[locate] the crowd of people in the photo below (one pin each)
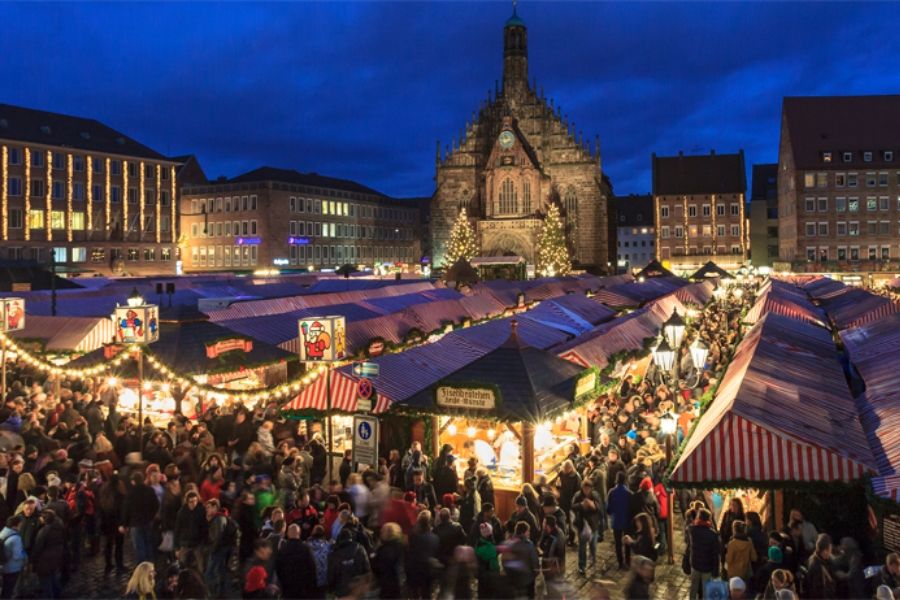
(241, 503)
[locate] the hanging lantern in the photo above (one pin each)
(12, 313)
(699, 352)
(322, 339)
(664, 356)
(136, 322)
(674, 329)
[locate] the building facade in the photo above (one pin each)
(764, 215)
(839, 183)
(699, 209)
(269, 218)
(517, 154)
(85, 196)
(635, 231)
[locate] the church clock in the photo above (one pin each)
(507, 139)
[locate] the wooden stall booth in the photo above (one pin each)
(515, 409)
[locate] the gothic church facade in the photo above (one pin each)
(518, 154)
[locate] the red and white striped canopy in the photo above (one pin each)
(344, 397)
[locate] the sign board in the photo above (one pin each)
(12, 314)
(466, 398)
(376, 348)
(136, 324)
(322, 339)
(365, 440)
(891, 532)
(364, 405)
(367, 369)
(222, 346)
(586, 384)
(364, 388)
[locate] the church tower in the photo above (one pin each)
(517, 154)
(515, 54)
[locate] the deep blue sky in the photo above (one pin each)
(363, 90)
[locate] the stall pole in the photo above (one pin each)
(779, 510)
(527, 452)
(670, 522)
(330, 462)
(435, 436)
(140, 365)
(3, 360)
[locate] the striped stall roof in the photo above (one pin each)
(873, 349)
(67, 334)
(783, 412)
(785, 300)
(482, 306)
(697, 293)
(853, 306)
(344, 397)
(587, 308)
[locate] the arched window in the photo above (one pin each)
(571, 204)
(508, 202)
(526, 197)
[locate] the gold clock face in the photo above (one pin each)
(507, 139)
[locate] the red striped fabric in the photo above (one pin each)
(343, 396)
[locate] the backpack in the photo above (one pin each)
(230, 533)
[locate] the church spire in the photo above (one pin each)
(515, 53)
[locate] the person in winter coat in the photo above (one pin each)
(820, 579)
(552, 547)
(425, 495)
(256, 573)
(550, 508)
(450, 534)
(388, 561)
(704, 552)
(49, 555)
(111, 504)
(420, 557)
(644, 501)
(14, 557)
(520, 561)
(740, 553)
(485, 485)
(642, 574)
(522, 515)
(569, 485)
(348, 564)
(589, 522)
(734, 513)
(618, 507)
(321, 550)
(488, 563)
(191, 531)
(295, 566)
(222, 534)
(643, 542)
(662, 502)
(446, 481)
(470, 505)
(141, 507)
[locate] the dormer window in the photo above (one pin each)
(826, 157)
(888, 156)
(848, 157)
(867, 157)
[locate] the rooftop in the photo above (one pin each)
(699, 174)
(54, 129)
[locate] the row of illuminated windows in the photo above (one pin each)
(848, 155)
(341, 254)
(80, 254)
(223, 228)
(705, 210)
(316, 206)
(348, 230)
(825, 253)
(58, 161)
(58, 191)
(850, 180)
(227, 204)
(705, 231)
(847, 228)
(627, 244)
(224, 256)
(37, 219)
(704, 250)
(848, 204)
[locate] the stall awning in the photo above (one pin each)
(783, 413)
(344, 396)
(786, 300)
(67, 334)
(710, 269)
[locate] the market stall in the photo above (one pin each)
(515, 408)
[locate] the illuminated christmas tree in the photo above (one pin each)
(553, 253)
(462, 240)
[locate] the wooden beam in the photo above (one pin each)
(436, 436)
(779, 510)
(527, 452)
(514, 432)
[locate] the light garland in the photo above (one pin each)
(686, 226)
(714, 233)
(743, 234)
(106, 190)
(125, 199)
(4, 192)
(173, 225)
(89, 193)
(27, 190)
(141, 176)
(70, 166)
(49, 199)
(158, 203)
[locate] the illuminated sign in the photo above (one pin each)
(136, 324)
(298, 241)
(247, 241)
(12, 314)
(323, 338)
(279, 261)
(465, 398)
(223, 346)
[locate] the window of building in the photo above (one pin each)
(149, 254)
(37, 188)
(840, 179)
(707, 231)
(735, 209)
(15, 218)
(149, 172)
(822, 204)
(59, 160)
(132, 195)
(14, 186)
(871, 180)
(134, 254)
(882, 179)
(852, 180)
(77, 220)
(867, 157)
(841, 228)
(823, 229)
(884, 227)
(821, 180)
(873, 252)
(735, 230)
(853, 204)
(854, 252)
(842, 253)
(885, 253)
(720, 230)
(77, 191)
(811, 253)
(14, 157)
(840, 204)
(810, 204)
(164, 223)
(706, 210)
(720, 210)
(571, 205)
(809, 180)
(664, 232)
(872, 227)
(663, 212)
(883, 203)
(853, 228)
(692, 210)
(37, 159)
(871, 203)
(888, 156)
(35, 219)
(679, 231)
(253, 227)
(847, 157)
(810, 229)
(826, 157)
(78, 254)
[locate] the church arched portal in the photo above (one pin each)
(510, 244)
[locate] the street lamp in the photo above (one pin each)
(667, 425)
(719, 293)
(664, 356)
(674, 329)
(699, 352)
(137, 323)
(738, 292)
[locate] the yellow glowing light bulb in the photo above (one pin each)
(470, 431)
(112, 381)
(451, 429)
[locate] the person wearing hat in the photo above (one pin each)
(486, 515)
(521, 514)
(737, 589)
(764, 573)
(256, 577)
(589, 522)
(552, 546)
(444, 476)
(486, 558)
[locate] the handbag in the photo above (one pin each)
(168, 542)
(686, 563)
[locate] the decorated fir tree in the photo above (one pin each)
(553, 253)
(462, 240)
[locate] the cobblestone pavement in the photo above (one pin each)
(604, 580)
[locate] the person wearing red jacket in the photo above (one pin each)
(305, 515)
(662, 498)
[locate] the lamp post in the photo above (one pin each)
(667, 425)
(137, 323)
(673, 329)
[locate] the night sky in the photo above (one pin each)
(363, 90)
